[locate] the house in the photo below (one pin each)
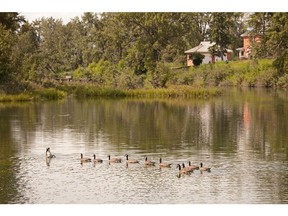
(203, 48)
(245, 51)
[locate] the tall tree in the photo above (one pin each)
(202, 21)
(278, 41)
(151, 37)
(11, 20)
(236, 30)
(6, 43)
(24, 52)
(9, 24)
(220, 26)
(92, 38)
(260, 22)
(55, 47)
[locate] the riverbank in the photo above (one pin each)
(241, 73)
(246, 73)
(36, 95)
(169, 92)
(89, 91)
(193, 82)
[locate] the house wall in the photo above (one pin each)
(229, 56)
(189, 61)
(208, 59)
(219, 58)
(246, 44)
(241, 54)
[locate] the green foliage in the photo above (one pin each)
(90, 90)
(49, 94)
(160, 76)
(11, 20)
(6, 43)
(171, 92)
(42, 94)
(273, 28)
(15, 98)
(127, 79)
(197, 58)
(220, 27)
(260, 22)
(238, 73)
(283, 82)
(135, 50)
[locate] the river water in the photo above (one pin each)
(242, 136)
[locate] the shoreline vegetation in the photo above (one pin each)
(195, 82)
(90, 91)
(131, 54)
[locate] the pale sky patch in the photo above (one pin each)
(65, 16)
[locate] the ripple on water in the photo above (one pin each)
(67, 181)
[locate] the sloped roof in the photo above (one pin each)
(203, 47)
(249, 33)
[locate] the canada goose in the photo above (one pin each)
(97, 160)
(164, 164)
(188, 169)
(130, 160)
(48, 160)
(208, 169)
(49, 154)
(149, 162)
(182, 170)
(83, 159)
(192, 166)
(114, 160)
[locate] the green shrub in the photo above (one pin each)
(283, 82)
(13, 98)
(170, 92)
(267, 77)
(197, 58)
(50, 94)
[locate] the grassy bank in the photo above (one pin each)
(40, 94)
(200, 82)
(249, 73)
(13, 98)
(170, 92)
(90, 90)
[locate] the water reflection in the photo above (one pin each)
(242, 136)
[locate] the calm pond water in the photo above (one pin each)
(242, 136)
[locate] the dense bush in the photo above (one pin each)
(197, 58)
(50, 94)
(283, 82)
(236, 73)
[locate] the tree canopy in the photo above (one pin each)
(107, 46)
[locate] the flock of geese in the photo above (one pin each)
(182, 169)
